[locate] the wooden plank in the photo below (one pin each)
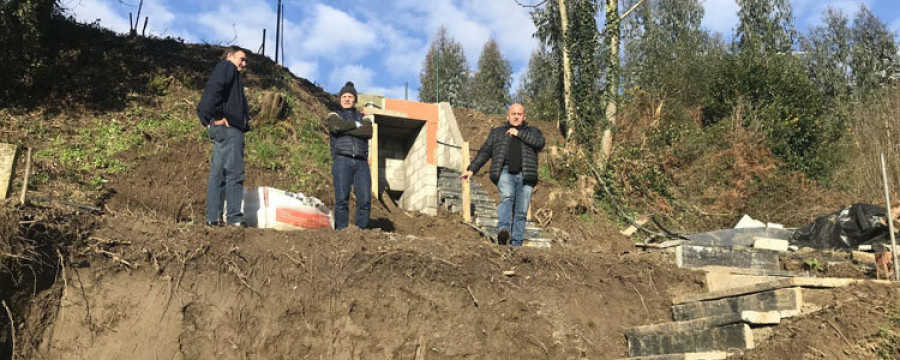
(786, 302)
(7, 168)
(713, 355)
(768, 272)
(28, 172)
(466, 185)
(699, 256)
(742, 317)
(721, 338)
(641, 220)
(863, 257)
(373, 159)
(663, 245)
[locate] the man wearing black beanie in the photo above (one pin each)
(349, 133)
(513, 150)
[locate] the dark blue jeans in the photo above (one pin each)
(350, 171)
(226, 174)
(515, 197)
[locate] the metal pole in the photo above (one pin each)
(887, 197)
(406, 91)
(437, 86)
(262, 48)
(277, 30)
(282, 34)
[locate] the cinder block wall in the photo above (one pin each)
(421, 178)
(391, 170)
(448, 133)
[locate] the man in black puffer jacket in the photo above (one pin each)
(513, 150)
(223, 111)
(349, 134)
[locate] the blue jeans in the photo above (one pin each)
(226, 174)
(514, 198)
(348, 171)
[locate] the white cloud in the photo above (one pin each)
(509, 24)
(395, 92)
(335, 33)
(809, 13)
(361, 77)
(109, 14)
(720, 16)
(304, 69)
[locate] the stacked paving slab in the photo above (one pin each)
(747, 296)
(484, 209)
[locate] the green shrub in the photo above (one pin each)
(772, 94)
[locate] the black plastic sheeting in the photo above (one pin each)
(846, 229)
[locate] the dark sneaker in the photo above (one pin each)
(214, 224)
(238, 224)
(503, 237)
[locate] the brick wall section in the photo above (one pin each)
(7, 168)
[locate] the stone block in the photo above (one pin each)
(743, 317)
(698, 256)
(764, 243)
(786, 302)
(721, 338)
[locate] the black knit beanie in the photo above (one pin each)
(348, 88)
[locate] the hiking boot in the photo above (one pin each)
(214, 224)
(502, 237)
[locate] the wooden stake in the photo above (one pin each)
(373, 153)
(12, 327)
(887, 197)
(27, 172)
(466, 186)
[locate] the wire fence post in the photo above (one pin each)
(887, 198)
(466, 186)
(373, 153)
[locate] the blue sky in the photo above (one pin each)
(380, 44)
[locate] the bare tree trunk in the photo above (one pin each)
(571, 143)
(612, 84)
(613, 20)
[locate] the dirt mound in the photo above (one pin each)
(859, 322)
(197, 293)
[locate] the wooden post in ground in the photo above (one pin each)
(27, 172)
(890, 219)
(373, 158)
(466, 186)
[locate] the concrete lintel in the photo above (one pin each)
(808, 282)
(747, 317)
(714, 355)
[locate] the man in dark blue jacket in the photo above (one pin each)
(349, 134)
(513, 150)
(223, 111)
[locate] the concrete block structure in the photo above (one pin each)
(413, 140)
(7, 168)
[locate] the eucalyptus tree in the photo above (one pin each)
(873, 58)
(491, 83)
(445, 72)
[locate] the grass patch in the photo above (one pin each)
(96, 151)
